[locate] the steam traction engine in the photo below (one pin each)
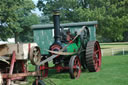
(70, 51)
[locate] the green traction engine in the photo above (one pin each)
(70, 51)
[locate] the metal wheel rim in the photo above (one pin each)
(97, 57)
(35, 55)
(75, 67)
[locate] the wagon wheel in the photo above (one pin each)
(44, 68)
(74, 67)
(35, 55)
(84, 37)
(93, 56)
(38, 82)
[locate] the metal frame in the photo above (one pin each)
(17, 76)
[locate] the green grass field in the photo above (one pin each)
(114, 71)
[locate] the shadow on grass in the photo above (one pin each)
(58, 75)
(64, 74)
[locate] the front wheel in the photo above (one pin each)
(74, 67)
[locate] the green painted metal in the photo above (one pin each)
(44, 39)
(44, 34)
(72, 47)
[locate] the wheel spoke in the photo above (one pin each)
(74, 67)
(75, 73)
(97, 51)
(75, 62)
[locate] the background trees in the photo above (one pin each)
(112, 15)
(16, 18)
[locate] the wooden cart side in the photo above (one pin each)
(21, 50)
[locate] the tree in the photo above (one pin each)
(27, 34)
(16, 17)
(66, 8)
(112, 15)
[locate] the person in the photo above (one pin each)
(69, 35)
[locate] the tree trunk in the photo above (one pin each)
(16, 37)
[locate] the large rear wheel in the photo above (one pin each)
(93, 56)
(74, 67)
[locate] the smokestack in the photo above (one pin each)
(56, 20)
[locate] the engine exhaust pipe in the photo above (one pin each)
(56, 20)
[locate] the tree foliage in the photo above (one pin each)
(16, 18)
(112, 15)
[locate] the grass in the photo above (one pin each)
(114, 71)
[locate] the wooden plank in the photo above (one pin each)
(7, 49)
(21, 50)
(3, 49)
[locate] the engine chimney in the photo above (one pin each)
(56, 20)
